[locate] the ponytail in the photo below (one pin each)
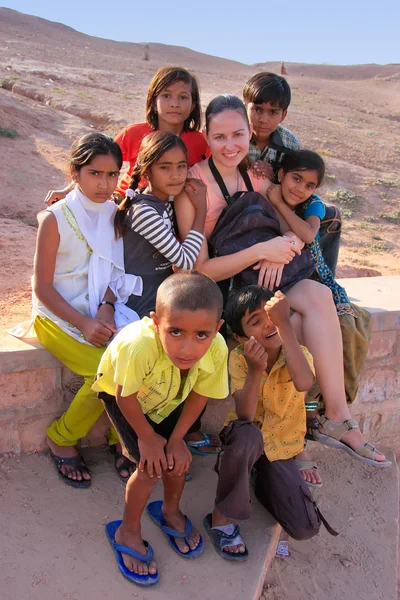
(119, 220)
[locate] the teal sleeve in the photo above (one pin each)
(315, 209)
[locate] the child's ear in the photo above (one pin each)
(281, 174)
(283, 116)
(240, 338)
(220, 323)
(74, 173)
(155, 319)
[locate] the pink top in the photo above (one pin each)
(215, 204)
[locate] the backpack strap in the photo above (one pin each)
(221, 184)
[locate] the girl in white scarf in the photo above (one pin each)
(80, 290)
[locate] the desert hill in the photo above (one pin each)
(57, 83)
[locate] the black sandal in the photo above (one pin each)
(126, 464)
(78, 464)
(220, 540)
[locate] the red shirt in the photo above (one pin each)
(130, 138)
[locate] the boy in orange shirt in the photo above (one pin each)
(270, 374)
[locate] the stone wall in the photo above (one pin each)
(36, 388)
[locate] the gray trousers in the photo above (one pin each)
(279, 485)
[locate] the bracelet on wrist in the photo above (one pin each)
(106, 302)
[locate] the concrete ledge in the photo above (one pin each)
(36, 388)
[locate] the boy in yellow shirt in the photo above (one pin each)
(154, 380)
(270, 374)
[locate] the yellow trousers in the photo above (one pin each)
(82, 359)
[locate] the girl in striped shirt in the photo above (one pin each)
(145, 217)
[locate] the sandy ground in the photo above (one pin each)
(53, 544)
(361, 563)
(57, 84)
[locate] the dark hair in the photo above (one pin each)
(161, 80)
(248, 298)
(267, 87)
(303, 160)
(86, 148)
(152, 148)
(225, 102)
(189, 290)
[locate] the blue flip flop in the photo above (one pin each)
(144, 580)
(195, 445)
(155, 513)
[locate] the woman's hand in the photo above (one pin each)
(279, 250)
(270, 274)
(96, 331)
(298, 242)
(274, 194)
(262, 170)
(197, 193)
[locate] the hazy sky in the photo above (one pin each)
(334, 31)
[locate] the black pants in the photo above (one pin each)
(279, 485)
(128, 436)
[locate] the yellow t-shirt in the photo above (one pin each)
(136, 360)
(280, 413)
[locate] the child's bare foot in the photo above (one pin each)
(177, 521)
(310, 475)
(72, 472)
(135, 542)
(213, 442)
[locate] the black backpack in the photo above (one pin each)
(247, 220)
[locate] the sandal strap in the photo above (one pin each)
(338, 430)
(76, 462)
(225, 539)
(305, 465)
(367, 450)
(200, 443)
(179, 534)
(146, 558)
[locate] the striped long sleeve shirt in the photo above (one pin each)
(159, 232)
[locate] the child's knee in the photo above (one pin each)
(245, 438)
(143, 477)
(302, 531)
(304, 523)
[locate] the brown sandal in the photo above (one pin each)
(333, 435)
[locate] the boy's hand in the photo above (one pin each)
(255, 355)
(152, 455)
(196, 192)
(262, 170)
(278, 309)
(106, 314)
(274, 194)
(179, 457)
